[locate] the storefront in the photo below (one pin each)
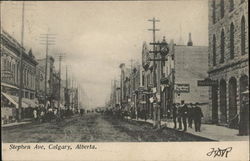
(9, 106)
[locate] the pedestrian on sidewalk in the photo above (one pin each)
(184, 111)
(179, 116)
(174, 114)
(197, 117)
(190, 115)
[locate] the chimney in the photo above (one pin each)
(190, 43)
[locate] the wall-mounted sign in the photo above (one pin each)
(207, 82)
(182, 88)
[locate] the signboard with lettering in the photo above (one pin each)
(207, 82)
(182, 88)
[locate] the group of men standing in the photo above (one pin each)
(186, 114)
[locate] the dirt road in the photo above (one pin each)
(93, 128)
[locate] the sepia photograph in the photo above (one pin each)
(174, 71)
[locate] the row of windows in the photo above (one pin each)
(13, 68)
(222, 8)
(222, 43)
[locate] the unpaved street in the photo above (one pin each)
(92, 128)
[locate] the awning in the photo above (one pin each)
(29, 102)
(10, 99)
(245, 92)
(8, 85)
(25, 102)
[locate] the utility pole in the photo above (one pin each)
(21, 67)
(72, 92)
(66, 93)
(156, 108)
(46, 39)
(60, 57)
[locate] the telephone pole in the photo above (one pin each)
(21, 67)
(155, 103)
(60, 57)
(46, 39)
(67, 90)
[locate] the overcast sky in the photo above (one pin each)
(97, 36)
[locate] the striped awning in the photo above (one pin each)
(8, 85)
(14, 100)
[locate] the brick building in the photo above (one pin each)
(10, 77)
(228, 59)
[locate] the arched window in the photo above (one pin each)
(214, 12)
(232, 41)
(243, 36)
(222, 9)
(231, 5)
(214, 50)
(222, 46)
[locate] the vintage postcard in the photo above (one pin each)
(125, 80)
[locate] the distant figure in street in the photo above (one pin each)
(184, 111)
(55, 111)
(179, 116)
(190, 115)
(35, 114)
(42, 116)
(174, 114)
(197, 117)
(81, 112)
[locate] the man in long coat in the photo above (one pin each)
(197, 117)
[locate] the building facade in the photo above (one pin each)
(228, 59)
(52, 82)
(183, 69)
(10, 77)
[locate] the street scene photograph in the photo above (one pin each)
(128, 71)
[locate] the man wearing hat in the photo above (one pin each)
(190, 115)
(184, 110)
(197, 117)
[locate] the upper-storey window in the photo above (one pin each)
(213, 12)
(243, 36)
(231, 5)
(222, 8)
(232, 41)
(214, 50)
(222, 46)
